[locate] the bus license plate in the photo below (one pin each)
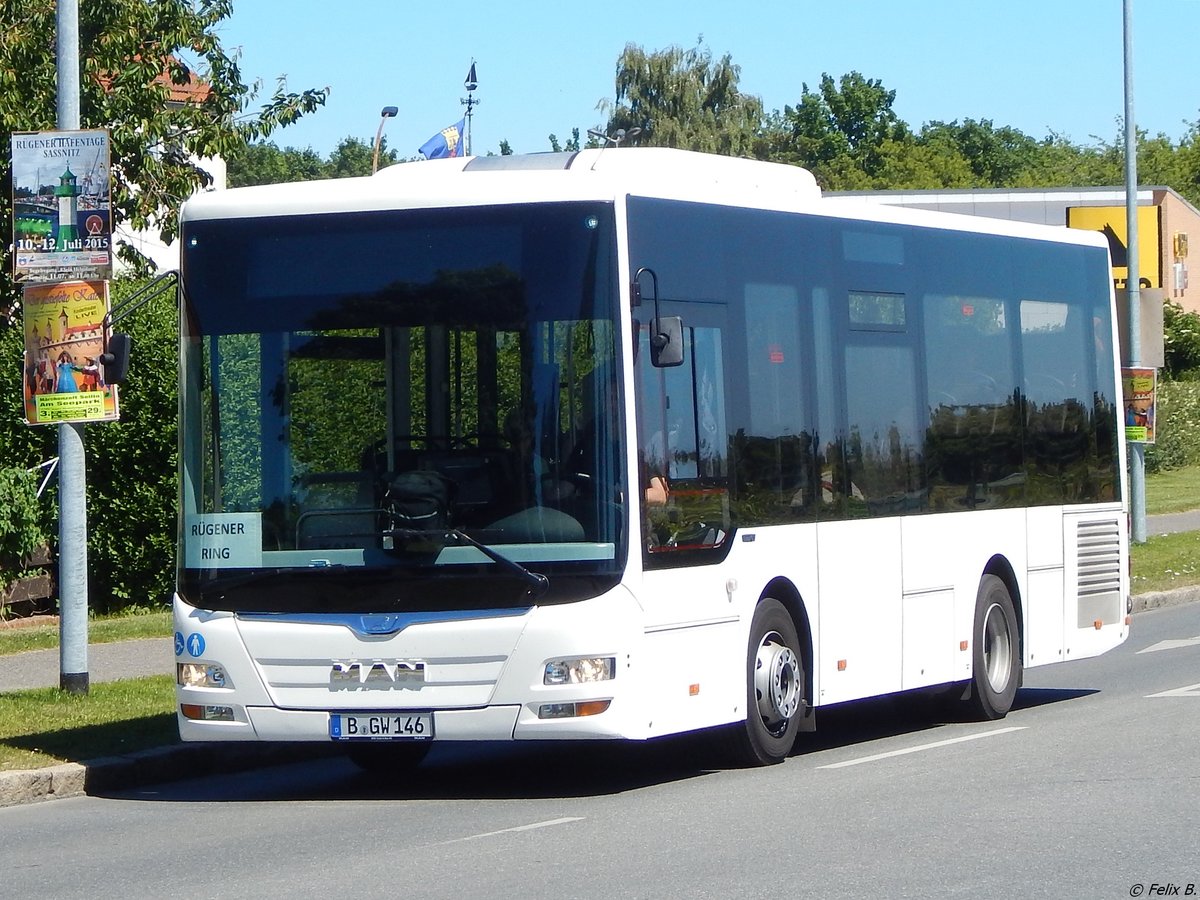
(381, 726)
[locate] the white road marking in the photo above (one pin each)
(921, 747)
(1192, 690)
(1172, 644)
(547, 824)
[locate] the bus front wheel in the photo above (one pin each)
(774, 688)
(996, 657)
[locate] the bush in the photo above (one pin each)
(24, 537)
(1177, 441)
(131, 495)
(1181, 340)
(22, 528)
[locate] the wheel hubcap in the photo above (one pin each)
(777, 681)
(997, 648)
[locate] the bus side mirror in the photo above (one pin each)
(666, 342)
(115, 358)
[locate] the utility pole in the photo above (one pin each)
(1137, 450)
(72, 466)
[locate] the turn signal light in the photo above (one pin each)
(573, 710)
(200, 713)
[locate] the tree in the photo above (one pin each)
(839, 129)
(265, 163)
(353, 157)
(685, 99)
(998, 157)
(131, 53)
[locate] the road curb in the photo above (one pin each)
(1159, 599)
(153, 766)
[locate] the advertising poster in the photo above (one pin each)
(62, 205)
(64, 327)
(1137, 387)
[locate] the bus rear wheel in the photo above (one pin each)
(774, 688)
(996, 657)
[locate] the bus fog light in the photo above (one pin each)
(583, 670)
(573, 710)
(201, 675)
(206, 713)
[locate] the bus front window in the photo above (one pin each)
(404, 393)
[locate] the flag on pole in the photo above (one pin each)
(446, 143)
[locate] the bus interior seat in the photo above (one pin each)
(337, 510)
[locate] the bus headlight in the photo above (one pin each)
(201, 675)
(583, 670)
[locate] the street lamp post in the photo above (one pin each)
(72, 467)
(388, 112)
(1137, 450)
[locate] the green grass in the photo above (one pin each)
(47, 726)
(100, 631)
(1165, 562)
(1177, 490)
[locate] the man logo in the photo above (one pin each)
(378, 675)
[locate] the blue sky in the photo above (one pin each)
(1037, 65)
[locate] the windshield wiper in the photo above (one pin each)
(537, 583)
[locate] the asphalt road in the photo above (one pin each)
(1089, 788)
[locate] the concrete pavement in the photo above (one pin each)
(106, 662)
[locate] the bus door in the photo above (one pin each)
(683, 492)
(876, 478)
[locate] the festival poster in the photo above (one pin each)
(1138, 387)
(62, 207)
(65, 336)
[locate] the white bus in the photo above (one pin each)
(630, 443)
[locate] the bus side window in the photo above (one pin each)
(773, 447)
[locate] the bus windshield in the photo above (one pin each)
(400, 410)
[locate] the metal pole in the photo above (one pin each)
(72, 470)
(386, 113)
(1137, 450)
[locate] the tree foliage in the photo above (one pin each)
(846, 131)
(158, 147)
(132, 53)
(685, 99)
(842, 125)
(264, 162)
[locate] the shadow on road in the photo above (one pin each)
(512, 771)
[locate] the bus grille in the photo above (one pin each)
(1099, 567)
